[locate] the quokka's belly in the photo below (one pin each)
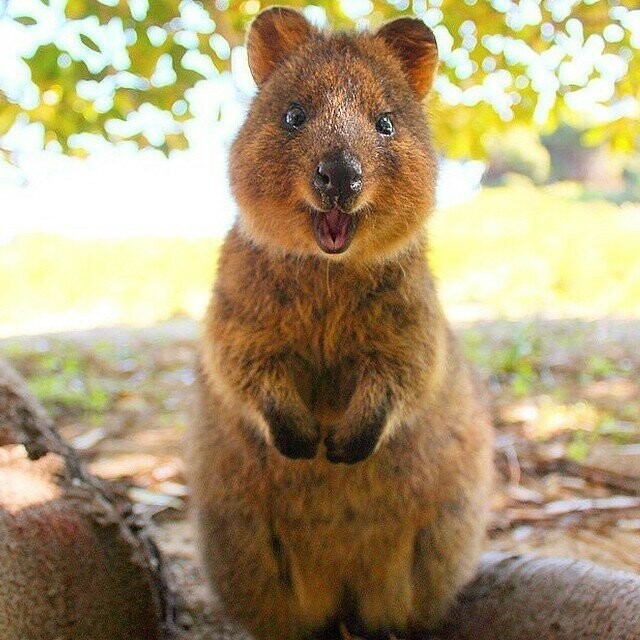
(348, 554)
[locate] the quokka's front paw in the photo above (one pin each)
(353, 443)
(294, 437)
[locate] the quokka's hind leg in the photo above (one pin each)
(248, 568)
(445, 557)
(250, 574)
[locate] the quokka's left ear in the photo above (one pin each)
(414, 44)
(274, 35)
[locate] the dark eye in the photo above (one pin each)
(384, 125)
(295, 117)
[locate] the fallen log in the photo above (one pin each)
(537, 598)
(75, 563)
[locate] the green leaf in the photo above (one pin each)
(44, 65)
(26, 20)
(8, 113)
(89, 42)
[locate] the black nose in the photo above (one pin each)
(338, 178)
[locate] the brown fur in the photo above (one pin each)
(335, 359)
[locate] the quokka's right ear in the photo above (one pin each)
(414, 44)
(274, 35)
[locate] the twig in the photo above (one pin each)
(559, 508)
(600, 476)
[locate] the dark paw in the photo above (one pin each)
(287, 438)
(360, 446)
(293, 446)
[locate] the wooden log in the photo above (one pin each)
(75, 564)
(537, 598)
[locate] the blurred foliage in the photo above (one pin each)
(108, 66)
(631, 175)
(64, 389)
(570, 160)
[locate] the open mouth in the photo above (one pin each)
(333, 229)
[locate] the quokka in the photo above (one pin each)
(341, 455)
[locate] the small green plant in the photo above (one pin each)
(476, 348)
(579, 446)
(65, 380)
(518, 362)
(599, 367)
(66, 393)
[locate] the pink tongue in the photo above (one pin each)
(336, 224)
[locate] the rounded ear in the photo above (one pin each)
(273, 36)
(414, 44)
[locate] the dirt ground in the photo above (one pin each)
(565, 396)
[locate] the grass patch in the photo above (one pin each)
(63, 378)
(517, 250)
(512, 251)
(49, 282)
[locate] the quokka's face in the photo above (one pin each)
(334, 158)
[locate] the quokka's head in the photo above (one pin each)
(334, 158)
